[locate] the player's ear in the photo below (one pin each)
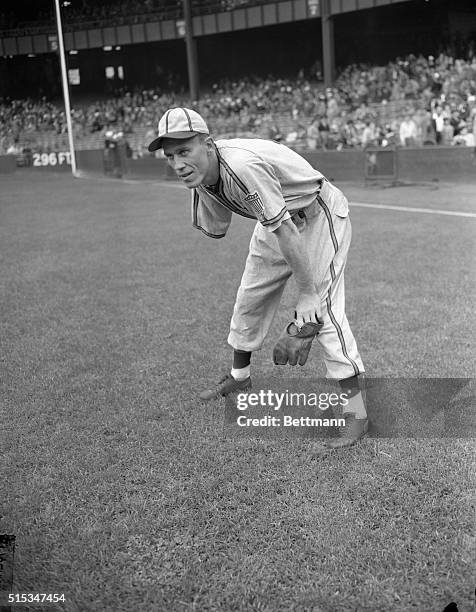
(209, 144)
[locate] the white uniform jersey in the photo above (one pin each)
(267, 181)
(259, 179)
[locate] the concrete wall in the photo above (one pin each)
(450, 164)
(338, 165)
(147, 167)
(418, 164)
(437, 163)
(7, 164)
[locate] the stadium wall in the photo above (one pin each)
(445, 164)
(7, 164)
(448, 164)
(413, 164)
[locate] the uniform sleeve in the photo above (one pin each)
(261, 194)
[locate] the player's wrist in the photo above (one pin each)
(306, 292)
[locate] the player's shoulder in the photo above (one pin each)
(243, 149)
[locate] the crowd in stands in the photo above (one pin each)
(115, 12)
(86, 11)
(412, 101)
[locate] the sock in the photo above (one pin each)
(241, 373)
(353, 388)
(356, 406)
(241, 359)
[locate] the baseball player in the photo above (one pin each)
(303, 229)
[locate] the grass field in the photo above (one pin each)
(123, 491)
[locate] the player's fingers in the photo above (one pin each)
(307, 316)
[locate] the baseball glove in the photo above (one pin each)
(295, 343)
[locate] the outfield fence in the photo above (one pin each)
(432, 163)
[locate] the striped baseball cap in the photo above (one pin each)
(178, 123)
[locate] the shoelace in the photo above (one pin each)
(224, 379)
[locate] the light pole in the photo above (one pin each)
(64, 79)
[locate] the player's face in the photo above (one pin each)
(192, 160)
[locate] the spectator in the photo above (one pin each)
(474, 125)
(428, 129)
(313, 135)
(438, 120)
(419, 117)
(464, 138)
(447, 132)
(362, 108)
(332, 106)
(349, 134)
(387, 136)
(13, 149)
(408, 132)
(323, 128)
(369, 134)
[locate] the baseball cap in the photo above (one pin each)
(178, 123)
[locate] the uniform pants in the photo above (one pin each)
(326, 235)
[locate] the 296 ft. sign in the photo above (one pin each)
(52, 159)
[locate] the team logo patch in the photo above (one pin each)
(254, 202)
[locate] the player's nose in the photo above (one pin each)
(177, 164)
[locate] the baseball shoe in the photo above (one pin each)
(353, 431)
(226, 386)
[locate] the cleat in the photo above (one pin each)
(226, 386)
(353, 431)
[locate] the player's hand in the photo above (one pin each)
(308, 308)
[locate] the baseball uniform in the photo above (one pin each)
(268, 182)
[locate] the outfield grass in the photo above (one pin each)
(124, 492)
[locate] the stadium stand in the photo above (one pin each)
(411, 101)
(91, 14)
